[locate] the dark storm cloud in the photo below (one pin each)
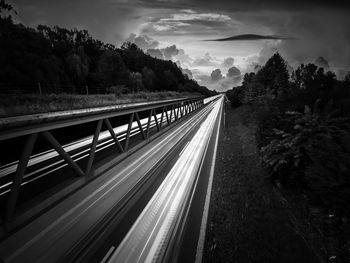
(233, 72)
(105, 21)
(322, 62)
(216, 75)
(251, 37)
(247, 5)
(321, 33)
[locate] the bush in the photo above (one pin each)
(117, 90)
(311, 149)
(235, 96)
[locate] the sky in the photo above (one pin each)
(215, 42)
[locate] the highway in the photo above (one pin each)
(135, 212)
(47, 162)
(77, 150)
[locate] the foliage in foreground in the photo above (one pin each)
(312, 149)
(304, 139)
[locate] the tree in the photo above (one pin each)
(274, 76)
(347, 78)
(6, 8)
(170, 81)
(313, 78)
(136, 81)
(148, 78)
(112, 70)
(78, 66)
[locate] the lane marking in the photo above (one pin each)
(149, 236)
(108, 255)
(201, 239)
(184, 148)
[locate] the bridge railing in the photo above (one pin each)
(31, 126)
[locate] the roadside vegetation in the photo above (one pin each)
(303, 137)
(15, 105)
(54, 60)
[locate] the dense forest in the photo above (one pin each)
(304, 140)
(63, 60)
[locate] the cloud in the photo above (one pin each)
(228, 62)
(251, 37)
(194, 16)
(143, 42)
(244, 6)
(184, 58)
(170, 52)
(322, 62)
(233, 72)
(187, 72)
(156, 53)
(150, 45)
(216, 75)
(185, 22)
(320, 33)
(219, 84)
(258, 5)
(206, 61)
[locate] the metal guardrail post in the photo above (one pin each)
(139, 124)
(149, 123)
(128, 132)
(161, 118)
(171, 114)
(21, 168)
(93, 147)
(155, 119)
(175, 114)
(167, 117)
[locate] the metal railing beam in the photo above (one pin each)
(127, 138)
(139, 124)
(55, 144)
(93, 147)
(115, 138)
(21, 168)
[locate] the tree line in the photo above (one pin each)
(304, 140)
(57, 57)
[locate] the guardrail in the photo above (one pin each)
(42, 124)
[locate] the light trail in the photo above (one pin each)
(151, 234)
(55, 233)
(105, 141)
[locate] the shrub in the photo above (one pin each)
(235, 96)
(311, 149)
(118, 90)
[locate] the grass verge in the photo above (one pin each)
(15, 105)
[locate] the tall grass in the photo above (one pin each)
(15, 105)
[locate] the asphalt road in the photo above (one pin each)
(168, 227)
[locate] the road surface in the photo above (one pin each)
(137, 211)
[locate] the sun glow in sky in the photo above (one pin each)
(176, 30)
